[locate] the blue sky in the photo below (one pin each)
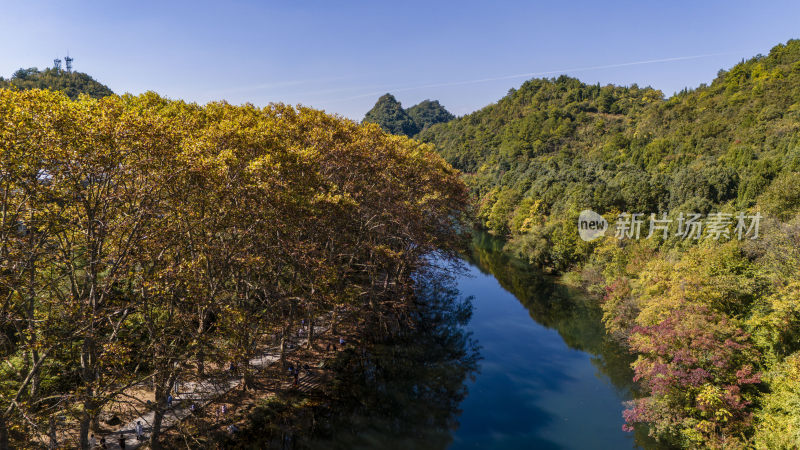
(340, 56)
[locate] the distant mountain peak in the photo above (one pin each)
(429, 112)
(390, 115)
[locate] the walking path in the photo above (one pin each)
(200, 394)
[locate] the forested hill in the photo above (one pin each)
(714, 321)
(390, 115)
(561, 145)
(70, 83)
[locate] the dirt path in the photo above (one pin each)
(200, 394)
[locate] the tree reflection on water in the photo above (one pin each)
(404, 391)
(576, 317)
(398, 392)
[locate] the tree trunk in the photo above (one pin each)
(84, 429)
(155, 434)
(287, 333)
(87, 368)
(95, 425)
(201, 367)
(246, 382)
(201, 328)
(52, 434)
(283, 345)
(310, 332)
(34, 389)
(3, 434)
(160, 400)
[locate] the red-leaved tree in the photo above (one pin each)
(700, 371)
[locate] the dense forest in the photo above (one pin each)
(71, 83)
(145, 241)
(714, 322)
(392, 118)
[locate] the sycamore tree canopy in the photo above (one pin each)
(148, 239)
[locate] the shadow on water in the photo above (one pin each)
(401, 392)
(553, 382)
(406, 393)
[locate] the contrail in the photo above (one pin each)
(537, 74)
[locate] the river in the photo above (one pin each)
(549, 377)
(498, 356)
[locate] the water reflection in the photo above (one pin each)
(556, 381)
(406, 393)
(575, 317)
(401, 392)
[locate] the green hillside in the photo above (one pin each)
(714, 322)
(390, 115)
(70, 83)
(554, 146)
(429, 112)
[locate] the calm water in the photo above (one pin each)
(499, 357)
(548, 378)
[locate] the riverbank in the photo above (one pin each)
(218, 394)
(385, 389)
(208, 426)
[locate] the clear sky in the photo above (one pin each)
(341, 55)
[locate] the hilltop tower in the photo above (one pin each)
(68, 62)
(57, 64)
